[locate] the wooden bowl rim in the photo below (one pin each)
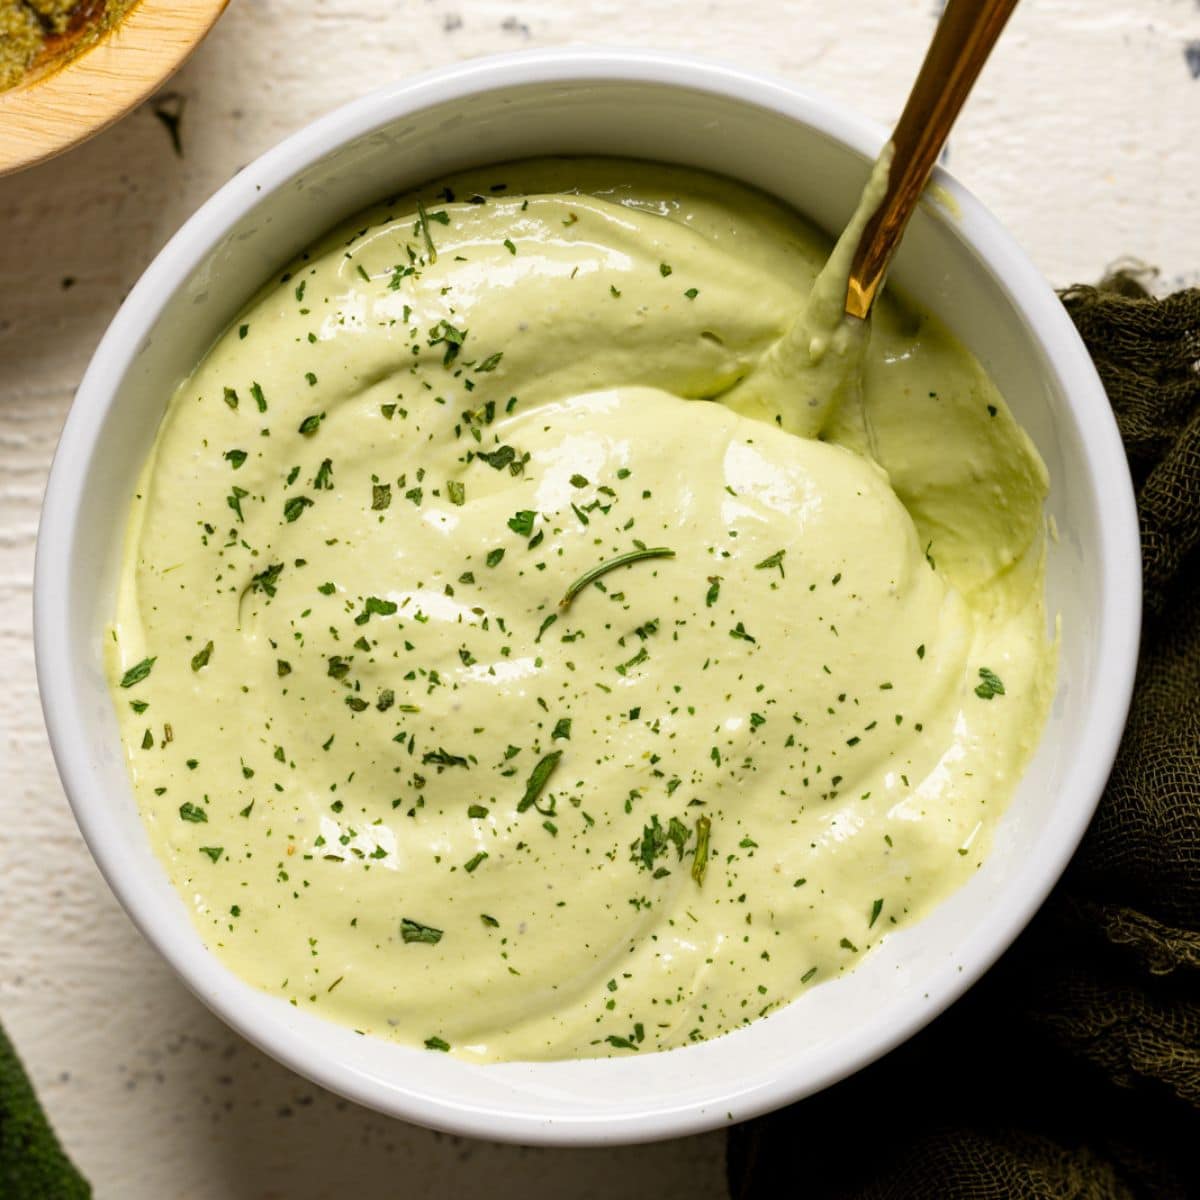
(53, 112)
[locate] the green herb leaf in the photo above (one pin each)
(201, 657)
(192, 812)
(311, 424)
(521, 523)
(443, 758)
(213, 852)
(234, 500)
(774, 560)
(700, 859)
(235, 458)
(137, 673)
(457, 491)
(436, 1043)
(294, 506)
(267, 579)
(990, 685)
(499, 458)
(414, 931)
(562, 730)
(538, 778)
(423, 222)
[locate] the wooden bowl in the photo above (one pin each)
(74, 92)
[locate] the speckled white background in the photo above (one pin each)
(1081, 137)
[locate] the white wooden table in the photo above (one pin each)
(1081, 137)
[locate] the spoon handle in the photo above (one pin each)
(964, 38)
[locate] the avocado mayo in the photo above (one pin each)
(500, 673)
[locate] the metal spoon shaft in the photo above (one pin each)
(964, 38)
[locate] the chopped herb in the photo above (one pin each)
(294, 506)
(381, 496)
(521, 523)
(474, 861)
(231, 397)
(137, 673)
(538, 778)
(192, 812)
(213, 852)
(700, 859)
(990, 685)
(498, 458)
(664, 269)
(692, 293)
(414, 931)
(423, 222)
(562, 729)
(494, 556)
(201, 657)
(323, 480)
(260, 400)
(443, 758)
(234, 500)
(775, 560)
(443, 333)
(876, 909)
(436, 1043)
(714, 590)
(457, 492)
(311, 424)
(235, 458)
(490, 363)
(267, 579)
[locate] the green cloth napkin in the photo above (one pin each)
(1073, 1068)
(32, 1163)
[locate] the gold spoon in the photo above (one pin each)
(964, 38)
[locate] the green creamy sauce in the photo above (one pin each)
(401, 783)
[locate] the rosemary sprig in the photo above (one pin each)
(610, 564)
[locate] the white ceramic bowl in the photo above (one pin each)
(955, 260)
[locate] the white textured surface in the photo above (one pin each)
(1080, 137)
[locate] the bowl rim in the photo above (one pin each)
(40, 115)
(1117, 635)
